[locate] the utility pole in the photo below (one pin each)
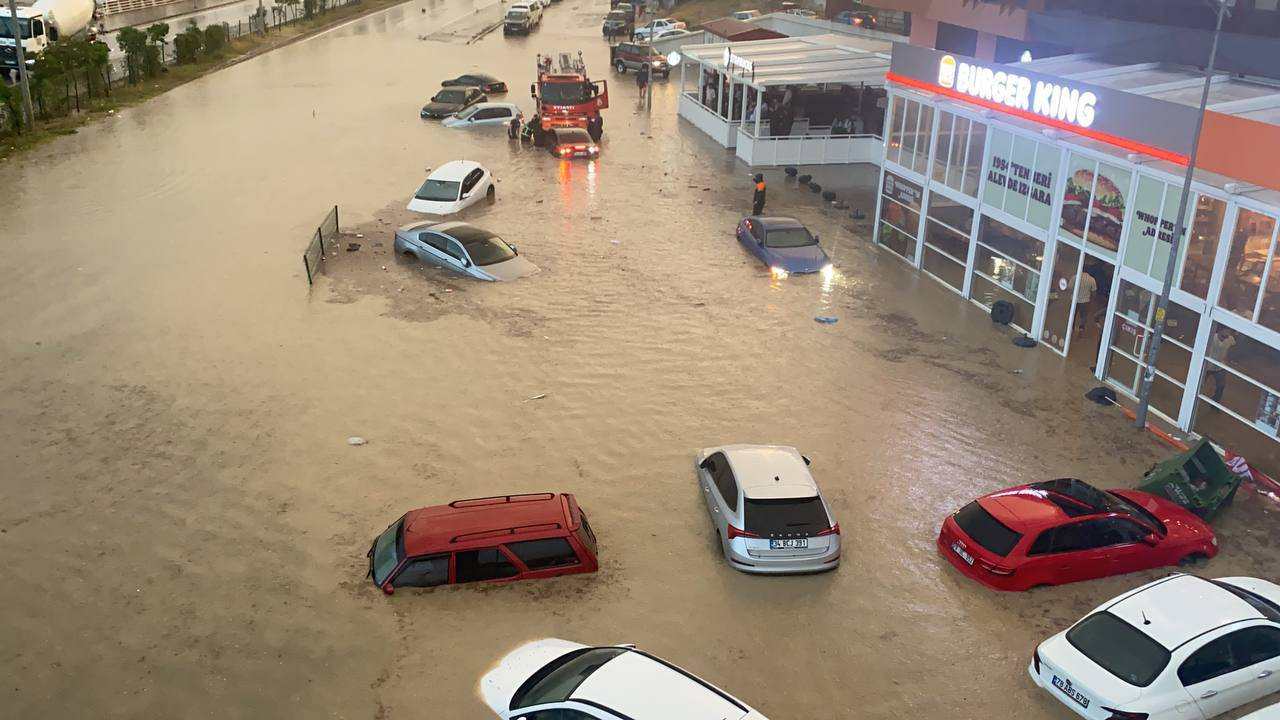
(27, 117)
(1157, 327)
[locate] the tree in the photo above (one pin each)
(187, 44)
(134, 44)
(10, 108)
(97, 64)
(158, 34)
(215, 37)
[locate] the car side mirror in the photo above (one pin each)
(806, 459)
(388, 589)
(760, 242)
(1151, 539)
(816, 238)
(466, 262)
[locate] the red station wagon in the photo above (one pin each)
(507, 537)
(1066, 530)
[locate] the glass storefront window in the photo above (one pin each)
(894, 149)
(973, 163)
(1242, 376)
(912, 128)
(950, 212)
(899, 215)
(1251, 243)
(1155, 217)
(1130, 337)
(958, 159)
(1020, 174)
(1202, 245)
(1016, 245)
(1093, 204)
(943, 267)
(1006, 273)
(946, 141)
(987, 292)
(898, 241)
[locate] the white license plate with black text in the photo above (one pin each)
(1065, 686)
(955, 547)
(789, 544)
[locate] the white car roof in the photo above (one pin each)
(483, 105)
(454, 170)
(1178, 608)
(770, 471)
(645, 689)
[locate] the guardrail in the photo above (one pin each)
(314, 256)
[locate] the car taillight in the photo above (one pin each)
(566, 150)
(1123, 715)
(735, 532)
(857, 21)
(833, 530)
(1035, 660)
(579, 148)
(995, 569)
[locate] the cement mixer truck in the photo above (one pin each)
(42, 23)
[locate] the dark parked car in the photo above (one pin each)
(487, 83)
(572, 143)
(618, 23)
(633, 56)
(451, 100)
(784, 244)
(857, 18)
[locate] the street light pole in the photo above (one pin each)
(1157, 327)
(14, 28)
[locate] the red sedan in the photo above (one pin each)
(1065, 530)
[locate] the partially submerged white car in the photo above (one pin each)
(463, 248)
(1182, 647)
(453, 186)
(561, 679)
(485, 114)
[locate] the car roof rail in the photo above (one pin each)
(501, 499)
(537, 527)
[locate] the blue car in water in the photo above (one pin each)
(784, 244)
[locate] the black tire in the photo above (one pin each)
(410, 253)
(491, 194)
(621, 67)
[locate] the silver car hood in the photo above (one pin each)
(515, 268)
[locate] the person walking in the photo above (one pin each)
(1085, 288)
(757, 199)
(1220, 343)
(642, 78)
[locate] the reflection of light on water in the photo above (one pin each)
(828, 274)
(591, 177)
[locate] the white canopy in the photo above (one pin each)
(814, 59)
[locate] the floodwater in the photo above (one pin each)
(183, 524)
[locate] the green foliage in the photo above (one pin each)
(151, 61)
(187, 44)
(134, 44)
(11, 107)
(157, 33)
(215, 37)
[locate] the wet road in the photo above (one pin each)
(183, 524)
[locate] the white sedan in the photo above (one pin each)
(562, 680)
(654, 28)
(1182, 647)
(453, 186)
(484, 114)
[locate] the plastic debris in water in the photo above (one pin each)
(356, 440)
(826, 319)
(536, 397)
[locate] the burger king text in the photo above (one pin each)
(1051, 100)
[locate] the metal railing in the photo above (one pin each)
(314, 256)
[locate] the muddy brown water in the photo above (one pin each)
(183, 525)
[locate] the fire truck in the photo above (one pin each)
(566, 97)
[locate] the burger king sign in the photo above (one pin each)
(1048, 99)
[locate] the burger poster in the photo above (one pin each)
(1093, 203)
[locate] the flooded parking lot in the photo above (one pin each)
(184, 524)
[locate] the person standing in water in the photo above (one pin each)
(757, 199)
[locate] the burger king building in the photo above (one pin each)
(1054, 186)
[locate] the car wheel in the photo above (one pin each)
(491, 194)
(621, 67)
(410, 253)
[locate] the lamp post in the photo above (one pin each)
(1157, 327)
(16, 30)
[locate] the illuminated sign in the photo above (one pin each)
(737, 61)
(1052, 100)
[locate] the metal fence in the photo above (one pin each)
(313, 257)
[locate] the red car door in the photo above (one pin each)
(1074, 551)
(1127, 548)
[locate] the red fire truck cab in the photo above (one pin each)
(566, 97)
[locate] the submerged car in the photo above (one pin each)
(783, 244)
(768, 514)
(484, 114)
(451, 100)
(490, 539)
(487, 83)
(571, 143)
(556, 679)
(1066, 530)
(453, 186)
(463, 248)
(1180, 648)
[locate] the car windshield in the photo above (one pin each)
(617, 15)
(518, 14)
(386, 553)
(785, 516)
(450, 96)
(1099, 500)
(467, 112)
(566, 93)
(6, 27)
(788, 237)
(985, 530)
(573, 137)
(439, 190)
(557, 680)
(1119, 648)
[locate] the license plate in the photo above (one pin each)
(955, 547)
(789, 544)
(1065, 686)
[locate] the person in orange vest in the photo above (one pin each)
(757, 200)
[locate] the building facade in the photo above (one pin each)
(1059, 195)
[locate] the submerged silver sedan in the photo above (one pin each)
(463, 248)
(768, 514)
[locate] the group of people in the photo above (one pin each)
(532, 131)
(849, 111)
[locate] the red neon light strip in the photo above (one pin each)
(1041, 120)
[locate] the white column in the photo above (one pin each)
(759, 108)
(1051, 244)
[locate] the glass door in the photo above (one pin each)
(1058, 313)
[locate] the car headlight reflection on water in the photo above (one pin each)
(828, 271)
(778, 273)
